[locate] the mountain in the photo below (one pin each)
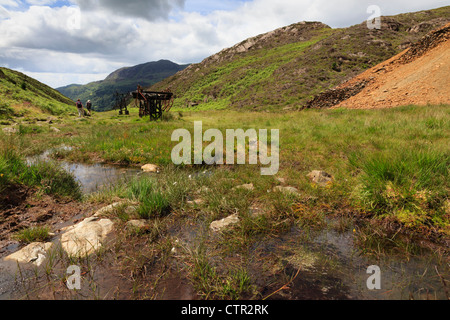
(21, 95)
(124, 80)
(289, 66)
(418, 75)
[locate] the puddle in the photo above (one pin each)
(92, 178)
(341, 273)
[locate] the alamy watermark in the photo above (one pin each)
(374, 21)
(74, 278)
(235, 140)
(74, 19)
(374, 281)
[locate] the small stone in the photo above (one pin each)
(217, 226)
(196, 202)
(150, 168)
(137, 224)
(249, 187)
(320, 178)
(290, 190)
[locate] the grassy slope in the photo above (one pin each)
(280, 71)
(21, 95)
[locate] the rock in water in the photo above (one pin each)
(35, 253)
(86, 237)
(150, 168)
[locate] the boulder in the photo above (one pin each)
(87, 237)
(320, 178)
(35, 253)
(217, 226)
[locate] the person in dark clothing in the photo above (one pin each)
(80, 108)
(89, 107)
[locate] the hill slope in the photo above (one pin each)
(21, 95)
(101, 93)
(289, 66)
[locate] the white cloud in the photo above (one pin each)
(91, 40)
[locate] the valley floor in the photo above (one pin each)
(290, 238)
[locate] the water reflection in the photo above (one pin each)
(92, 178)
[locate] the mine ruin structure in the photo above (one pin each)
(153, 103)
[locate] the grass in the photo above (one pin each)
(22, 96)
(33, 234)
(47, 177)
(389, 167)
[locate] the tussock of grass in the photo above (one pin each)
(33, 234)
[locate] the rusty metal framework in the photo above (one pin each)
(152, 103)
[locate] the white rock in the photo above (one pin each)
(35, 253)
(290, 190)
(320, 177)
(86, 237)
(150, 168)
(217, 226)
(249, 187)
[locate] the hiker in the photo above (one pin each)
(80, 108)
(89, 107)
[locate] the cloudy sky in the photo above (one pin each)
(61, 42)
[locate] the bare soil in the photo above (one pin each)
(417, 76)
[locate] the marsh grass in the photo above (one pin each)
(33, 234)
(48, 177)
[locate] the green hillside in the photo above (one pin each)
(21, 95)
(101, 93)
(287, 67)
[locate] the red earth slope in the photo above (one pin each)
(419, 75)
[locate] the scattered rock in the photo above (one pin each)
(86, 237)
(290, 190)
(137, 224)
(150, 168)
(35, 253)
(55, 129)
(281, 180)
(320, 178)
(196, 202)
(218, 226)
(256, 211)
(107, 210)
(10, 131)
(249, 187)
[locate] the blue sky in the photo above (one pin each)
(79, 41)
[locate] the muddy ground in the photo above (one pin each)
(23, 207)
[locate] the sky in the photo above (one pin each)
(61, 42)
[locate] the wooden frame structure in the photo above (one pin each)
(152, 103)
